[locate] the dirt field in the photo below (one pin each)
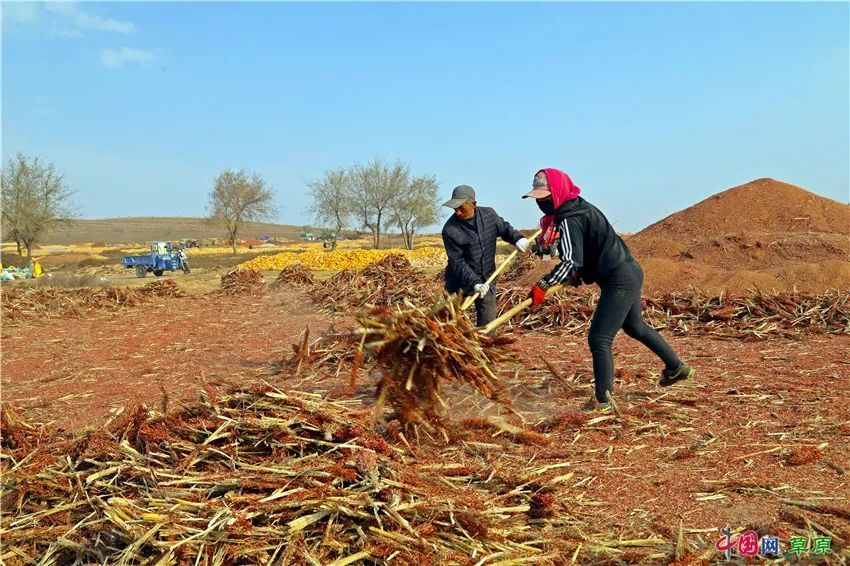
(718, 451)
(759, 440)
(136, 229)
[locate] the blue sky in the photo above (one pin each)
(649, 107)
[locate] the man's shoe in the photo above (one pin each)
(671, 376)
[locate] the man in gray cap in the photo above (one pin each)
(469, 237)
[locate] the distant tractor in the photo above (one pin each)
(163, 257)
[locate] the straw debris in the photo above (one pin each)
(295, 275)
(387, 282)
(242, 282)
(250, 476)
(417, 348)
(28, 304)
(748, 316)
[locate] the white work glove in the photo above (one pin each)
(482, 289)
(522, 245)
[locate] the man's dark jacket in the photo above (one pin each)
(472, 252)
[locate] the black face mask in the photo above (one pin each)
(546, 206)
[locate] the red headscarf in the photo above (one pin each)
(562, 189)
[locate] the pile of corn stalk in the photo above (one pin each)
(749, 316)
(27, 304)
(295, 275)
(255, 476)
(387, 282)
(416, 348)
(241, 282)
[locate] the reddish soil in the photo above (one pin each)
(76, 371)
(764, 422)
(765, 233)
(763, 205)
(760, 439)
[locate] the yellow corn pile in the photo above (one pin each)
(224, 250)
(315, 258)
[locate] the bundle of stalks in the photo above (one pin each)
(388, 282)
(393, 261)
(241, 282)
(416, 348)
(48, 303)
(755, 315)
(162, 288)
(295, 275)
(255, 476)
(333, 350)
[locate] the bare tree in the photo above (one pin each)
(237, 198)
(13, 234)
(374, 187)
(35, 199)
(416, 207)
(331, 196)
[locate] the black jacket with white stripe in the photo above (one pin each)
(588, 246)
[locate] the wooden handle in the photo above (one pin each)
(471, 299)
(514, 310)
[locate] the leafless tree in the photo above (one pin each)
(237, 198)
(416, 207)
(35, 199)
(331, 198)
(374, 187)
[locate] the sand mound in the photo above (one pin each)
(764, 205)
(765, 233)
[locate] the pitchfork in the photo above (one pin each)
(472, 298)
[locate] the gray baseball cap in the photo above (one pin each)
(461, 194)
(539, 188)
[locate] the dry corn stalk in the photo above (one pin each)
(754, 315)
(416, 348)
(387, 282)
(295, 275)
(257, 476)
(47, 303)
(241, 282)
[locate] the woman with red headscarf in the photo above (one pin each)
(591, 252)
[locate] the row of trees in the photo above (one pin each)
(376, 196)
(34, 199)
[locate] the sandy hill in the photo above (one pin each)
(764, 204)
(765, 233)
(144, 229)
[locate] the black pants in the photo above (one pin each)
(485, 308)
(619, 307)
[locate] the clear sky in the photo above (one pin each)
(649, 107)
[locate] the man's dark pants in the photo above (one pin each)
(485, 308)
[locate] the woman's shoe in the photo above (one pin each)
(671, 376)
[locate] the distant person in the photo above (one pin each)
(590, 251)
(469, 237)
